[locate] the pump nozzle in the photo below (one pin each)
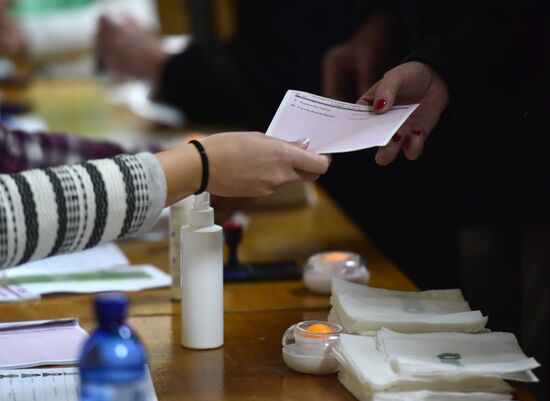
(202, 201)
(202, 214)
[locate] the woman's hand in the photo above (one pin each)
(241, 164)
(411, 82)
(251, 164)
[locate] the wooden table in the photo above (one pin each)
(249, 366)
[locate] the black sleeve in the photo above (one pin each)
(206, 83)
(486, 52)
(278, 46)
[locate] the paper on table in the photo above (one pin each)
(103, 268)
(14, 292)
(341, 286)
(101, 256)
(122, 278)
(363, 310)
(496, 354)
(364, 370)
(333, 126)
(59, 384)
(426, 395)
(406, 315)
(40, 342)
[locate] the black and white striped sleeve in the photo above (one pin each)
(69, 208)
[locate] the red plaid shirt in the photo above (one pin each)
(20, 151)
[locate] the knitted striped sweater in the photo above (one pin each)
(69, 208)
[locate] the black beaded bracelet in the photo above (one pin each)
(205, 167)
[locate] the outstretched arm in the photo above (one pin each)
(69, 208)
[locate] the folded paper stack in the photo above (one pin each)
(431, 366)
(425, 395)
(364, 310)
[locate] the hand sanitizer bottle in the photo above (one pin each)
(113, 362)
(178, 219)
(201, 278)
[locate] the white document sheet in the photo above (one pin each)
(364, 370)
(333, 126)
(495, 354)
(426, 395)
(364, 310)
(14, 292)
(341, 286)
(122, 278)
(40, 342)
(103, 268)
(54, 384)
(99, 257)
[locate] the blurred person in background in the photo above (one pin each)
(277, 46)
(53, 28)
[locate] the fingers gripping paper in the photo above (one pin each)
(333, 126)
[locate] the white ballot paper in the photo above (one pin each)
(425, 395)
(457, 354)
(364, 310)
(364, 371)
(116, 278)
(53, 384)
(333, 126)
(98, 257)
(103, 268)
(102, 256)
(40, 342)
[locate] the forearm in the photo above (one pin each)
(69, 208)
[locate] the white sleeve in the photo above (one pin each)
(69, 208)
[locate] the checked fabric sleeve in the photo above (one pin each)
(73, 207)
(21, 150)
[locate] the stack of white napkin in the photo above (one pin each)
(364, 310)
(432, 366)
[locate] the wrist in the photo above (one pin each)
(182, 169)
(205, 165)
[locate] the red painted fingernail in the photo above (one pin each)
(380, 104)
(396, 138)
(416, 132)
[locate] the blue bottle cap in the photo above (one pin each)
(111, 307)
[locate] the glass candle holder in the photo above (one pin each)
(307, 346)
(322, 267)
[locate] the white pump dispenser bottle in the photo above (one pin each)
(178, 219)
(201, 277)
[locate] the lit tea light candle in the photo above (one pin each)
(307, 346)
(322, 267)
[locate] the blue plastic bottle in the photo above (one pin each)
(113, 362)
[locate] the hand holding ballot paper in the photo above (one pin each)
(333, 126)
